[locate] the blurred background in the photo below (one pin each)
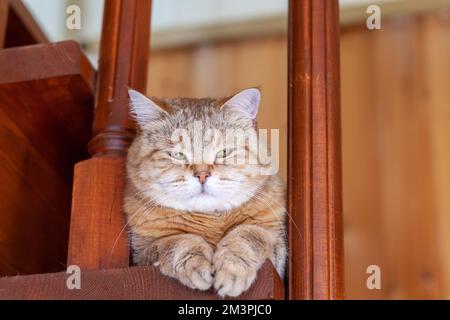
(395, 114)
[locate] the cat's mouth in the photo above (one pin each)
(203, 192)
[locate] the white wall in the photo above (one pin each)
(167, 14)
(50, 15)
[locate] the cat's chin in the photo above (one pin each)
(204, 203)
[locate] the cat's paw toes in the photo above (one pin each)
(201, 277)
(232, 278)
(197, 273)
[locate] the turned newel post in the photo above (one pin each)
(98, 238)
(314, 177)
(123, 58)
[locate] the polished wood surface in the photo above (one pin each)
(123, 61)
(314, 172)
(50, 97)
(134, 283)
(98, 235)
(46, 99)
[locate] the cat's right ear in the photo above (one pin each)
(143, 109)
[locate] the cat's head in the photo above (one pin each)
(189, 154)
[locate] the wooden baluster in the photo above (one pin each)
(314, 184)
(97, 236)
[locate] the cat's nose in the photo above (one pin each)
(202, 176)
(202, 172)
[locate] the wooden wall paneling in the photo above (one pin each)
(98, 238)
(436, 74)
(361, 164)
(409, 218)
(171, 73)
(314, 182)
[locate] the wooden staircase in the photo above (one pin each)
(46, 107)
(64, 134)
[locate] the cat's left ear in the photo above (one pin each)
(143, 109)
(246, 101)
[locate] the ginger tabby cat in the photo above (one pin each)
(194, 210)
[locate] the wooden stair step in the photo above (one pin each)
(140, 283)
(48, 91)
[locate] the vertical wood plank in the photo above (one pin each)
(98, 238)
(314, 178)
(437, 53)
(361, 165)
(407, 205)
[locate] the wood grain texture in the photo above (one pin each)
(436, 32)
(363, 238)
(34, 206)
(134, 283)
(404, 171)
(46, 95)
(47, 90)
(98, 235)
(396, 146)
(314, 179)
(123, 60)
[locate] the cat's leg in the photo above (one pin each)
(241, 253)
(186, 257)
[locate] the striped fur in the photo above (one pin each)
(221, 244)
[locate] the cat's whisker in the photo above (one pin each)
(144, 206)
(291, 219)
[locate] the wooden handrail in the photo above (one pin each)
(314, 170)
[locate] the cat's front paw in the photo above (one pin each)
(195, 271)
(233, 274)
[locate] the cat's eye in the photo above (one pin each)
(177, 155)
(224, 153)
